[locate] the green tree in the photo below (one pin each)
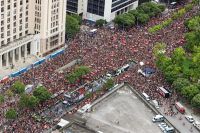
(178, 56)
(179, 83)
(196, 101)
(78, 73)
(125, 20)
(194, 23)
(172, 72)
(100, 22)
(142, 18)
(109, 84)
(18, 87)
(11, 114)
(33, 102)
(193, 39)
(78, 18)
(159, 49)
(150, 8)
(72, 26)
(1, 98)
(82, 70)
(28, 101)
(42, 94)
(190, 91)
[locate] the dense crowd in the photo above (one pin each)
(107, 50)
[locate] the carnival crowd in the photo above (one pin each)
(107, 50)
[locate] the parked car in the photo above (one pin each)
(189, 118)
(162, 126)
(169, 130)
(158, 118)
(197, 124)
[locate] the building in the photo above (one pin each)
(49, 23)
(30, 27)
(107, 9)
(16, 42)
(75, 6)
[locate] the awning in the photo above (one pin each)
(63, 123)
(148, 70)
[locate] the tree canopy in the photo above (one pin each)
(182, 67)
(72, 26)
(78, 73)
(28, 101)
(18, 87)
(109, 84)
(11, 114)
(100, 22)
(41, 93)
(141, 15)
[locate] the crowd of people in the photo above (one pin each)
(107, 50)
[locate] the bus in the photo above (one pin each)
(180, 107)
(163, 92)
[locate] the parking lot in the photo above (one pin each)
(121, 112)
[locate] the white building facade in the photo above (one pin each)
(75, 6)
(49, 23)
(106, 9)
(30, 27)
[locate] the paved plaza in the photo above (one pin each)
(19, 65)
(121, 112)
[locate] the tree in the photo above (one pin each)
(159, 49)
(179, 83)
(193, 39)
(11, 114)
(33, 102)
(178, 56)
(28, 101)
(78, 18)
(82, 70)
(18, 87)
(1, 98)
(194, 23)
(149, 8)
(190, 91)
(78, 73)
(125, 20)
(109, 84)
(196, 101)
(142, 18)
(42, 94)
(172, 72)
(100, 22)
(72, 26)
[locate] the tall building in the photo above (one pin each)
(30, 27)
(49, 22)
(75, 6)
(106, 9)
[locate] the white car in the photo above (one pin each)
(162, 126)
(189, 118)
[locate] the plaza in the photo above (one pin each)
(121, 112)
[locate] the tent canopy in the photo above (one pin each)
(148, 70)
(63, 123)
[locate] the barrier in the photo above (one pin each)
(15, 74)
(23, 70)
(42, 61)
(57, 53)
(37, 63)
